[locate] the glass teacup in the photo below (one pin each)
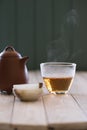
(58, 76)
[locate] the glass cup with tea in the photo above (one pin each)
(58, 76)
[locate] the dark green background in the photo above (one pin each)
(45, 30)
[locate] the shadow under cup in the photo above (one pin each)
(58, 76)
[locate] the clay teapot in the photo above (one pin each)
(13, 69)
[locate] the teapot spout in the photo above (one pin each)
(24, 59)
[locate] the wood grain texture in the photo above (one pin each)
(81, 95)
(6, 108)
(82, 102)
(53, 112)
(64, 113)
(79, 85)
(29, 115)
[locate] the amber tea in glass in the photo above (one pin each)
(58, 76)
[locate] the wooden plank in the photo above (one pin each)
(29, 115)
(6, 108)
(61, 111)
(83, 74)
(82, 101)
(81, 97)
(64, 113)
(32, 77)
(79, 85)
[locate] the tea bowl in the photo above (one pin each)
(28, 92)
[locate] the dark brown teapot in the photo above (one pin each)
(12, 69)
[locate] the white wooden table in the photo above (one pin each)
(50, 112)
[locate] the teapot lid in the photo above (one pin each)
(9, 51)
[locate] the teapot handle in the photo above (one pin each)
(9, 48)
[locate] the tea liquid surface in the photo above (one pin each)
(58, 84)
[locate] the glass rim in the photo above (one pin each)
(59, 63)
